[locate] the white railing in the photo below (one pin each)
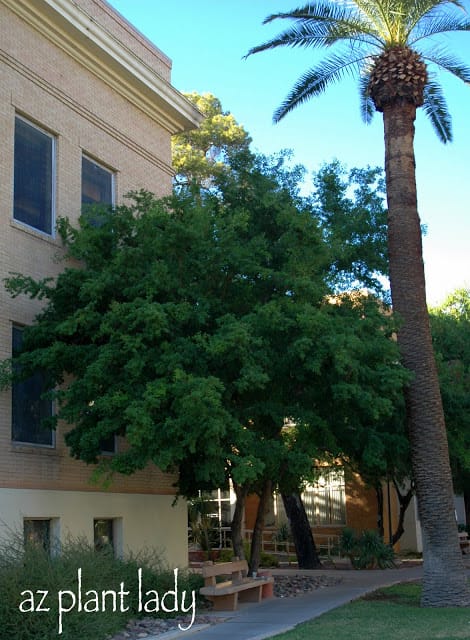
(325, 543)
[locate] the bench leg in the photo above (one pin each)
(228, 602)
(252, 595)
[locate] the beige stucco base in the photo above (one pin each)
(144, 521)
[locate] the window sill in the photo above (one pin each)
(35, 233)
(34, 449)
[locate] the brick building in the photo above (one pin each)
(86, 115)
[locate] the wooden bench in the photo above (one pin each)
(464, 542)
(226, 595)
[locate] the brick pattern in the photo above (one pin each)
(41, 82)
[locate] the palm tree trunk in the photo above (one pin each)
(445, 582)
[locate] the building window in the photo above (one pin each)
(325, 500)
(38, 533)
(97, 183)
(29, 408)
(107, 534)
(212, 511)
(33, 187)
(103, 534)
(108, 445)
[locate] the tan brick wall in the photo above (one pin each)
(43, 83)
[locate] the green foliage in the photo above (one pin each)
(194, 326)
(268, 560)
(203, 529)
(225, 555)
(351, 208)
(282, 535)
(366, 550)
(202, 153)
(31, 569)
(450, 327)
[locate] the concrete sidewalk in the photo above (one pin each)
(276, 615)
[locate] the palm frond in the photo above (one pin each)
(320, 24)
(421, 8)
(377, 13)
(446, 61)
(317, 79)
(312, 35)
(439, 24)
(435, 107)
(366, 103)
(319, 11)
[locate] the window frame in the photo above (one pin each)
(51, 542)
(325, 499)
(116, 539)
(53, 180)
(109, 452)
(39, 539)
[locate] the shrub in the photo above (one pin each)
(366, 550)
(226, 555)
(268, 560)
(282, 536)
(25, 572)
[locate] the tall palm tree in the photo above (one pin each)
(389, 45)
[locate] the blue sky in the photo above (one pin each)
(207, 40)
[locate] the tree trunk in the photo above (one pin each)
(305, 548)
(379, 492)
(404, 501)
(445, 581)
(257, 540)
(237, 522)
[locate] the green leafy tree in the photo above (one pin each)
(350, 206)
(195, 341)
(193, 327)
(450, 326)
(390, 45)
(200, 154)
(350, 210)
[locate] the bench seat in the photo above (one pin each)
(226, 595)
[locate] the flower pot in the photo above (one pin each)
(268, 587)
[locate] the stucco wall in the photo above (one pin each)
(147, 521)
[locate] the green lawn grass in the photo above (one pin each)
(392, 613)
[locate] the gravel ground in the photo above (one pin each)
(290, 586)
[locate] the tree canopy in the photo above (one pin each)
(450, 325)
(201, 153)
(350, 207)
(193, 329)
